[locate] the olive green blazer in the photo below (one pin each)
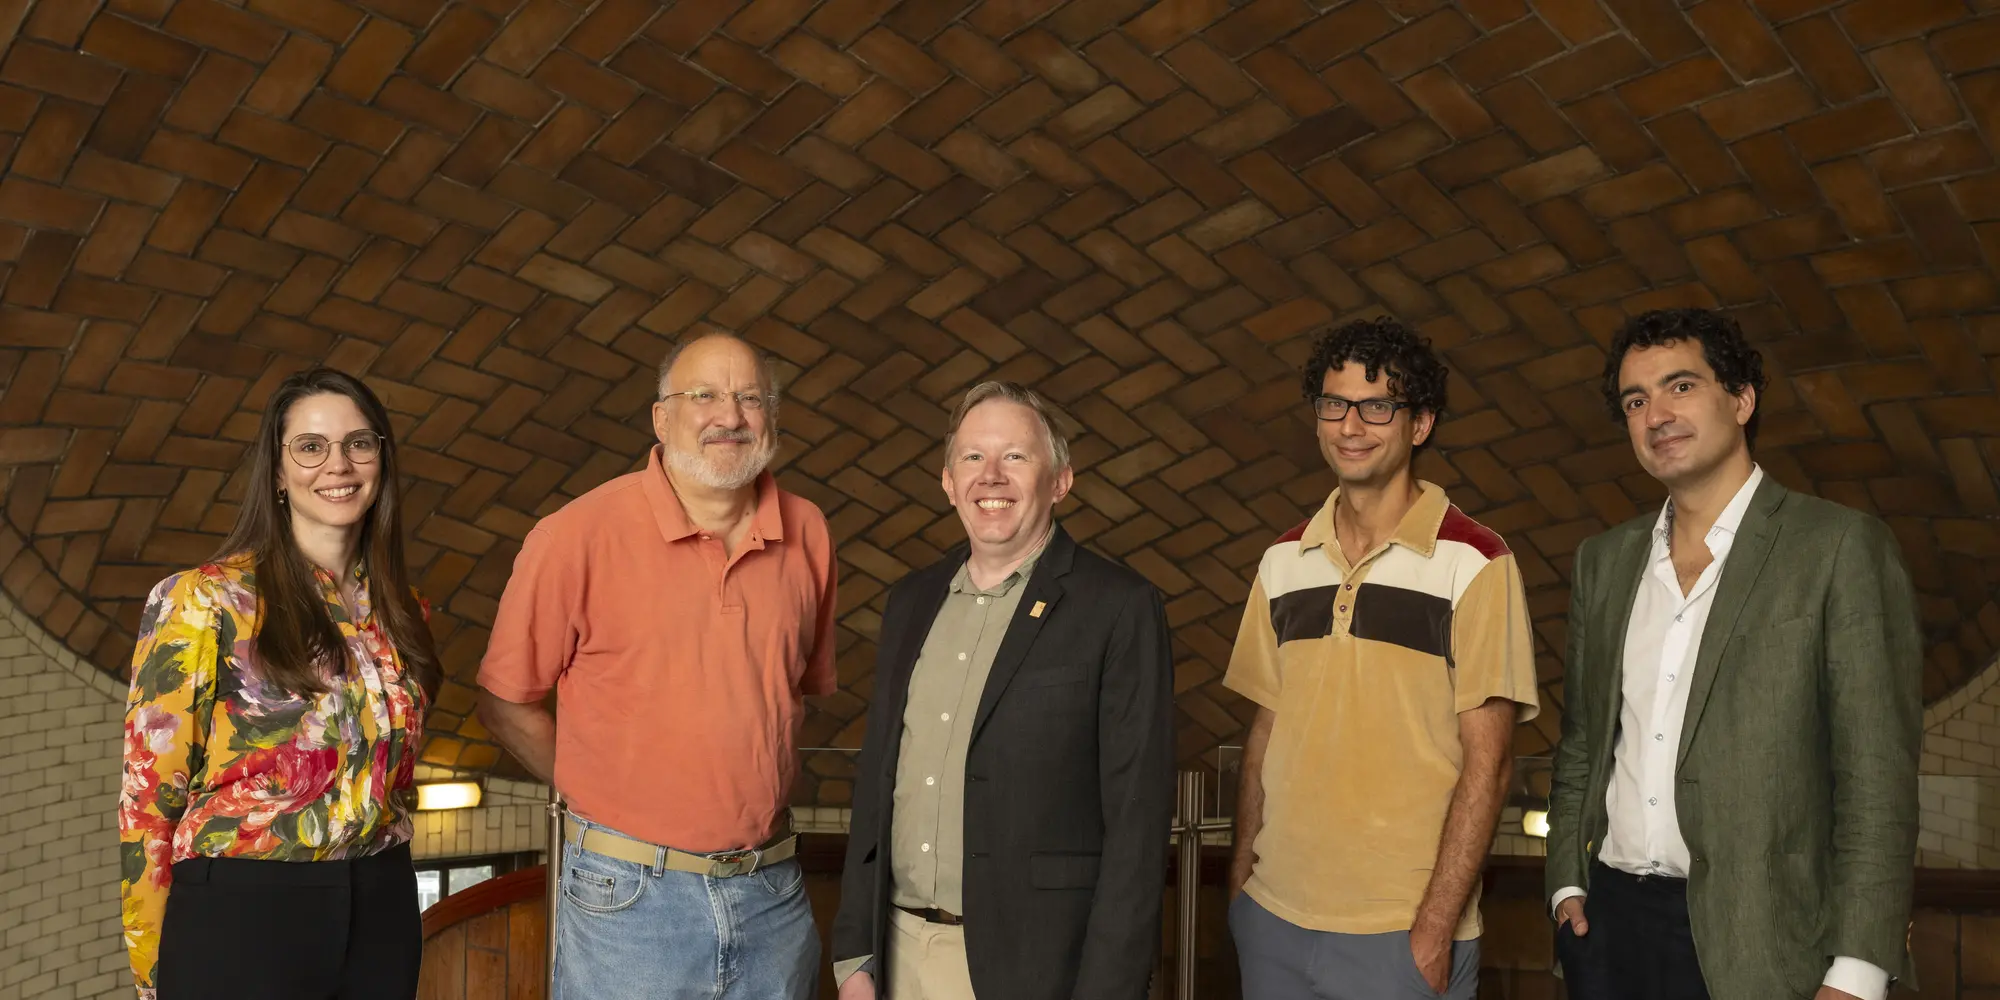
(1797, 774)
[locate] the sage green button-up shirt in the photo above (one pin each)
(927, 829)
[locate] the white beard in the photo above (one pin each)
(717, 476)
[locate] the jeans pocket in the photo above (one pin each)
(598, 887)
(781, 879)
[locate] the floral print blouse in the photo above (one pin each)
(220, 764)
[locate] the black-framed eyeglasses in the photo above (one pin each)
(751, 402)
(1373, 411)
(310, 450)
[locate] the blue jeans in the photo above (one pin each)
(627, 931)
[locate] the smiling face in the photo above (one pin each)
(339, 492)
(1683, 423)
(1002, 476)
(1364, 454)
(716, 442)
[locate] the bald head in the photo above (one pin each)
(703, 359)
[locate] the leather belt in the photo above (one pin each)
(934, 915)
(721, 865)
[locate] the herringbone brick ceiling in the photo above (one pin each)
(502, 212)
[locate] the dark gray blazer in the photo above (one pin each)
(1797, 772)
(1069, 784)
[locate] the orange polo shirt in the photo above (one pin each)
(680, 673)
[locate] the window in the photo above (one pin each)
(444, 876)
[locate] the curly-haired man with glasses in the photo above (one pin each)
(1386, 645)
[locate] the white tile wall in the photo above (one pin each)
(60, 723)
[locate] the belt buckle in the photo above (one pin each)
(734, 861)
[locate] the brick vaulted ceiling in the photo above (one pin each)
(503, 211)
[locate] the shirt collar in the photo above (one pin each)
(1729, 522)
(1417, 531)
(768, 522)
(961, 581)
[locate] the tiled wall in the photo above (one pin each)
(1960, 790)
(59, 773)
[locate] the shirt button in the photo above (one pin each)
(1348, 587)
(1652, 802)
(1680, 618)
(961, 656)
(1670, 676)
(982, 600)
(930, 781)
(946, 716)
(1343, 607)
(926, 848)
(1658, 737)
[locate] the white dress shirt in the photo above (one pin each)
(1661, 644)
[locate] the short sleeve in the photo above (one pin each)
(1253, 664)
(535, 632)
(1493, 641)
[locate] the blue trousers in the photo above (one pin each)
(628, 931)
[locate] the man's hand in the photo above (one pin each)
(860, 986)
(1570, 911)
(1432, 951)
(1240, 864)
(1825, 993)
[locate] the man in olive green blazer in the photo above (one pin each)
(1734, 807)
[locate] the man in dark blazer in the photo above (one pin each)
(1734, 808)
(1011, 813)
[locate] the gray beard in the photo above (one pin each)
(716, 477)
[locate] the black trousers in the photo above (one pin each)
(1639, 945)
(292, 930)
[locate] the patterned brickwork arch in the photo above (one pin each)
(502, 212)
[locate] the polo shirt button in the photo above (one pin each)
(982, 600)
(926, 848)
(945, 716)
(930, 781)
(961, 656)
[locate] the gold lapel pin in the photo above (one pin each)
(1036, 611)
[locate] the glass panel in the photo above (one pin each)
(465, 878)
(430, 888)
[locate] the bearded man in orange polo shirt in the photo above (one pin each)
(680, 613)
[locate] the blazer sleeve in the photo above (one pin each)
(1874, 700)
(1135, 764)
(1570, 777)
(858, 923)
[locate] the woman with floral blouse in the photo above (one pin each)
(271, 736)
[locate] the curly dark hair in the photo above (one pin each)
(1736, 364)
(1381, 346)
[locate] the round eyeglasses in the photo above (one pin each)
(1373, 411)
(310, 450)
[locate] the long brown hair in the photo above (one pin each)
(297, 640)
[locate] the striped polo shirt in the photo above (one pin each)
(1366, 668)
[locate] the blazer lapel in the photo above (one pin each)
(1747, 555)
(1628, 567)
(1044, 589)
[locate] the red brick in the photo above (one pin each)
(1827, 56)
(368, 60)
(215, 25)
(1857, 126)
(1759, 107)
(139, 47)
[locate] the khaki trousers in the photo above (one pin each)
(926, 960)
